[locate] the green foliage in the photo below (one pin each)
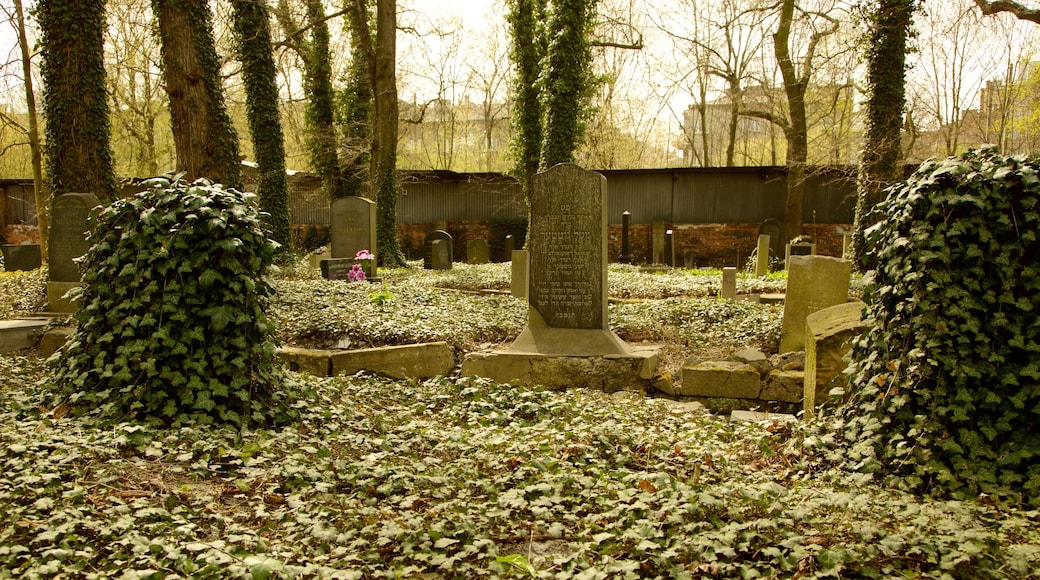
(390, 254)
(354, 103)
(455, 479)
(309, 237)
(526, 20)
(948, 380)
(567, 80)
(22, 293)
(77, 146)
(172, 321)
(320, 111)
(252, 27)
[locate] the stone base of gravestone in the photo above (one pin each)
(339, 268)
(828, 338)
(56, 300)
(22, 257)
(540, 338)
(633, 371)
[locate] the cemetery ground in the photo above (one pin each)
(457, 477)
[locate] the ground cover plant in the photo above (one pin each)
(948, 380)
(464, 479)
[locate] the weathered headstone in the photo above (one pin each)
(520, 276)
(568, 265)
(352, 226)
(657, 242)
(440, 254)
(67, 241)
(799, 249)
(828, 337)
(813, 283)
(729, 283)
(22, 257)
(508, 245)
(762, 263)
(478, 251)
(428, 247)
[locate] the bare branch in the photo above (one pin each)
(1018, 10)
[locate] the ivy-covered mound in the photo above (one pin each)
(172, 323)
(948, 380)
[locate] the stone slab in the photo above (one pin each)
(352, 226)
(68, 234)
(728, 379)
(519, 274)
(22, 257)
(786, 386)
(729, 283)
(54, 339)
(21, 334)
(760, 417)
(311, 361)
(428, 257)
(478, 251)
(829, 335)
(609, 373)
(412, 361)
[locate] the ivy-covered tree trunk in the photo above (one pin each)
(77, 145)
(205, 138)
(526, 19)
(320, 111)
(356, 99)
(384, 142)
(40, 194)
(568, 79)
(253, 35)
(890, 23)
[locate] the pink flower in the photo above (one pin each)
(364, 255)
(356, 273)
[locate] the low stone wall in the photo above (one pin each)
(746, 380)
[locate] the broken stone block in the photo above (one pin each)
(786, 386)
(729, 379)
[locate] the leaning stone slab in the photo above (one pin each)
(759, 417)
(412, 361)
(728, 379)
(829, 335)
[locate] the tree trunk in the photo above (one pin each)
(253, 35)
(797, 133)
(384, 142)
(78, 149)
(528, 47)
(357, 100)
(886, 81)
(205, 138)
(40, 197)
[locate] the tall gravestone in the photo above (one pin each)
(762, 261)
(729, 283)
(428, 256)
(657, 242)
(67, 241)
(813, 283)
(567, 293)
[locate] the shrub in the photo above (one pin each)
(171, 322)
(948, 380)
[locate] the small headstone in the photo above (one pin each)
(352, 226)
(813, 283)
(440, 255)
(799, 249)
(478, 252)
(762, 263)
(626, 243)
(657, 242)
(729, 283)
(669, 248)
(519, 269)
(22, 257)
(67, 241)
(508, 245)
(428, 247)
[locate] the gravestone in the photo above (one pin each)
(478, 251)
(22, 257)
(729, 283)
(567, 342)
(67, 241)
(813, 283)
(829, 336)
(440, 255)
(567, 293)
(352, 226)
(428, 247)
(772, 228)
(519, 281)
(762, 263)
(799, 249)
(657, 242)
(669, 248)
(508, 245)
(626, 243)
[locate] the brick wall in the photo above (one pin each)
(696, 245)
